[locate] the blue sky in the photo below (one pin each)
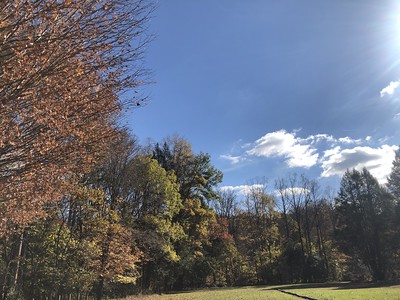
(270, 87)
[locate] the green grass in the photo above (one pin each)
(340, 291)
(243, 293)
(348, 291)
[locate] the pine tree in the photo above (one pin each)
(394, 177)
(364, 214)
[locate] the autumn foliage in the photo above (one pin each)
(64, 68)
(86, 211)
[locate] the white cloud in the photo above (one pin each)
(390, 89)
(333, 155)
(283, 144)
(347, 140)
(313, 139)
(297, 151)
(233, 159)
(242, 189)
(377, 160)
(294, 191)
(331, 152)
(319, 138)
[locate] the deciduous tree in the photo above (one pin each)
(64, 66)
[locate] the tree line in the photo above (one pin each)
(150, 219)
(86, 211)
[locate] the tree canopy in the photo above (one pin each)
(64, 66)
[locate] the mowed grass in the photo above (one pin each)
(348, 291)
(242, 293)
(332, 291)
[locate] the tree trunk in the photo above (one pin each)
(18, 262)
(100, 288)
(6, 271)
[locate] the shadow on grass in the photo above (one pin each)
(204, 289)
(336, 285)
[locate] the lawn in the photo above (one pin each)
(330, 291)
(346, 291)
(243, 293)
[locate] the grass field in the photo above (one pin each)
(242, 293)
(339, 291)
(346, 291)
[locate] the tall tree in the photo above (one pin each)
(225, 207)
(197, 179)
(393, 185)
(64, 66)
(306, 229)
(364, 214)
(147, 198)
(260, 230)
(196, 176)
(394, 177)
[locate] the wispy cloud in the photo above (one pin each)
(390, 89)
(294, 191)
(347, 140)
(242, 190)
(330, 139)
(233, 159)
(319, 138)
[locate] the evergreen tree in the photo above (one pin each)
(364, 212)
(394, 177)
(394, 187)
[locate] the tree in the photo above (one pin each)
(225, 207)
(64, 66)
(147, 198)
(197, 180)
(223, 251)
(56, 261)
(81, 246)
(364, 214)
(194, 172)
(152, 206)
(306, 228)
(294, 199)
(393, 185)
(394, 177)
(260, 231)
(95, 220)
(195, 265)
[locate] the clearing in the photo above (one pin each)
(325, 291)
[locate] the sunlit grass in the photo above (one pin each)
(348, 293)
(340, 291)
(244, 293)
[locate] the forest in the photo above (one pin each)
(88, 211)
(150, 219)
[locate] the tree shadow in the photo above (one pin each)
(208, 289)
